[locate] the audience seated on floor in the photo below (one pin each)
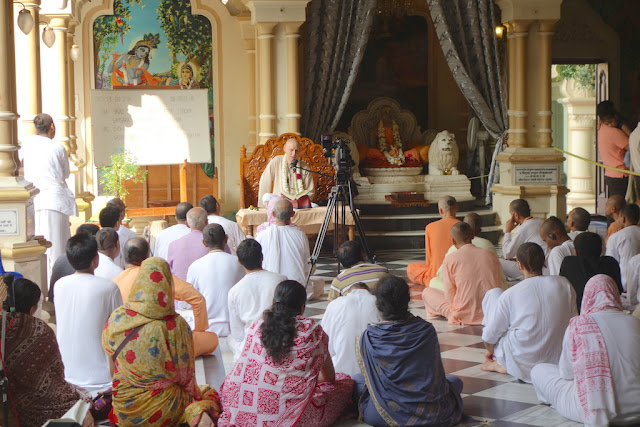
(437, 242)
(344, 321)
(62, 267)
(595, 382)
(528, 231)
(231, 228)
(213, 276)
(587, 263)
(403, 381)
(285, 248)
(612, 209)
(151, 354)
(108, 250)
(190, 247)
(630, 297)
(286, 369)
(137, 250)
(468, 274)
(357, 270)
(83, 304)
(624, 244)
(578, 222)
(33, 365)
(557, 240)
(124, 233)
(524, 325)
(251, 296)
(173, 233)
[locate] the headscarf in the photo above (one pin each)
(271, 219)
(591, 367)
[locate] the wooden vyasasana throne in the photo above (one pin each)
(251, 168)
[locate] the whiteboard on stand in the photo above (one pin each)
(158, 126)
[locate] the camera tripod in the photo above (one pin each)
(341, 196)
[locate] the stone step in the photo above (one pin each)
(385, 240)
(415, 222)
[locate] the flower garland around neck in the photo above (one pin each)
(286, 187)
(393, 153)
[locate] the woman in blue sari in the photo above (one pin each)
(403, 381)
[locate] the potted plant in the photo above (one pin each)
(124, 166)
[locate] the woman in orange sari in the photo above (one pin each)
(154, 372)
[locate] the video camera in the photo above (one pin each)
(340, 152)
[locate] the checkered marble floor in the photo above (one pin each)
(491, 398)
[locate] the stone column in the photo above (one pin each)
(27, 48)
(517, 34)
(267, 80)
(293, 96)
(545, 33)
(249, 33)
(20, 250)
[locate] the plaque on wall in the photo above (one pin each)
(9, 225)
(537, 174)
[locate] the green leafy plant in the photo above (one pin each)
(584, 74)
(124, 166)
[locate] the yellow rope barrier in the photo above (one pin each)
(625, 171)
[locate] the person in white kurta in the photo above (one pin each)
(625, 244)
(528, 231)
(524, 325)
(46, 165)
(233, 231)
(108, 249)
(213, 276)
(251, 296)
(560, 245)
(83, 305)
(557, 384)
(285, 247)
(630, 298)
(281, 179)
(344, 321)
(124, 233)
(168, 236)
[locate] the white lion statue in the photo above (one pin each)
(443, 155)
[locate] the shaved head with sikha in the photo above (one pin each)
(291, 149)
(447, 206)
(462, 234)
(283, 211)
(475, 222)
(579, 219)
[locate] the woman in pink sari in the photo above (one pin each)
(284, 376)
(596, 381)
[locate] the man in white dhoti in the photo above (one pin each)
(233, 231)
(344, 321)
(124, 233)
(524, 325)
(83, 305)
(285, 248)
(173, 233)
(528, 231)
(251, 296)
(213, 276)
(561, 246)
(282, 179)
(108, 250)
(625, 244)
(596, 379)
(46, 165)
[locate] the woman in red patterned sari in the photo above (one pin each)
(284, 376)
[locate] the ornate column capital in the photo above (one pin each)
(534, 10)
(278, 10)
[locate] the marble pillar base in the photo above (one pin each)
(373, 189)
(28, 259)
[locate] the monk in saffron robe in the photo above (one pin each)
(437, 240)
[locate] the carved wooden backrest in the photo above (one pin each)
(364, 121)
(251, 168)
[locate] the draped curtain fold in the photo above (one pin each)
(337, 34)
(465, 29)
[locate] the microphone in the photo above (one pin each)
(294, 163)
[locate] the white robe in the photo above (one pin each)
(344, 321)
(83, 305)
(286, 251)
(555, 384)
(623, 245)
(557, 255)
(271, 179)
(248, 299)
(630, 298)
(124, 234)
(168, 236)
(527, 322)
(107, 269)
(529, 231)
(213, 276)
(46, 165)
(231, 229)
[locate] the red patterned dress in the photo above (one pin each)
(260, 392)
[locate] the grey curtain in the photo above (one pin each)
(336, 38)
(465, 29)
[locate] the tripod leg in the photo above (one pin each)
(322, 234)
